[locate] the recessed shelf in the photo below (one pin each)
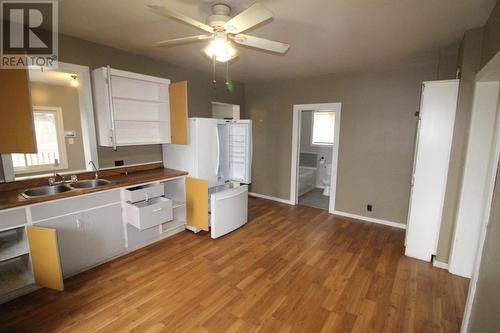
(142, 120)
(12, 249)
(13, 244)
(14, 274)
(140, 100)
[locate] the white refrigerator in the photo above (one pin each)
(219, 151)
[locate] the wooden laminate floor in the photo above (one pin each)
(290, 269)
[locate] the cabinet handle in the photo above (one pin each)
(78, 223)
(157, 210)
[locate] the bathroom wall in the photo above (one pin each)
(306, 147)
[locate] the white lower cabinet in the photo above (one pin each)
(104, 233)
(88, 238)
(45, 242)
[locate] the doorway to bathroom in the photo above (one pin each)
(315, 143)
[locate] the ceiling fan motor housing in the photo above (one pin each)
(219, 17)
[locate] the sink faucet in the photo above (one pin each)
(54, 181)
(96, 175)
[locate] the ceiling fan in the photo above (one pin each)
(223, 30)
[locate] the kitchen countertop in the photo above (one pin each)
(121, 178)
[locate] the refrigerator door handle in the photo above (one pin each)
(218, 151)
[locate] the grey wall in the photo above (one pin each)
(376, 133)
(491, 36)
(469, 62)
(200, 91)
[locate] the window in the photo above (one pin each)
(323, 128)
(49, 134)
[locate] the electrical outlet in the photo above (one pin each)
(119, 163)
(369, 208)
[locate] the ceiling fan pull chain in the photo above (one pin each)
(229, 83)
(214, 80)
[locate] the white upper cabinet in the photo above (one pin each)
(131, 109)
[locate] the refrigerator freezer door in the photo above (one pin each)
(229, 209)
(240, 151)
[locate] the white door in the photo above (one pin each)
(206, 150)
(104, 232)
(437, 117)
(71, 239)
(240, 151)
(228, 210)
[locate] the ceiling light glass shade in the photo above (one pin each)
(74, 81)
(221, 49)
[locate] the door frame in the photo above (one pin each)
(297, 109)
(488, 74)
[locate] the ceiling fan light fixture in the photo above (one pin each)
(221, 49)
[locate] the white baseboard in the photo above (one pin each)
(439, 264)
(371, 219)
(268, 197)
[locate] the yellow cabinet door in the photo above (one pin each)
(197, 203)
(45, 258)
(178, 112)
(17, 132)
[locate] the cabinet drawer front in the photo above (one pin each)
(143, 215)
(12, 218)
(75, 204)
(143, 192)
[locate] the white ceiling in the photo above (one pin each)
(326, 36)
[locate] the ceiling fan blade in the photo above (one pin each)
(160, 10)
(260, 43)
(183, 40)
(248, 18)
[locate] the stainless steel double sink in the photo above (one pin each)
(61, 188)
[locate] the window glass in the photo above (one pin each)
(48, 139)
(323, 128)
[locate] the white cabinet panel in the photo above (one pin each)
(104, 232)
(437, 118)
(71, 240)
(228, 210)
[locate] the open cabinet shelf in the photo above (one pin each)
(15, 274)
(13, 244)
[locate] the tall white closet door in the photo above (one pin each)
(437, 118)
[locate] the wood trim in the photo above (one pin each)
(17, 131)
(178, 112)
(197, 203)
(45, 257)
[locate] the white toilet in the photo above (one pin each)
(326, 179)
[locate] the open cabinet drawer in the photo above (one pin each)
(143, 192)
(228, 210)
(147, 214)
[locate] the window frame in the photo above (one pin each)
(312, 130)
(63, 156)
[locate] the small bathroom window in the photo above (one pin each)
(323, 128)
